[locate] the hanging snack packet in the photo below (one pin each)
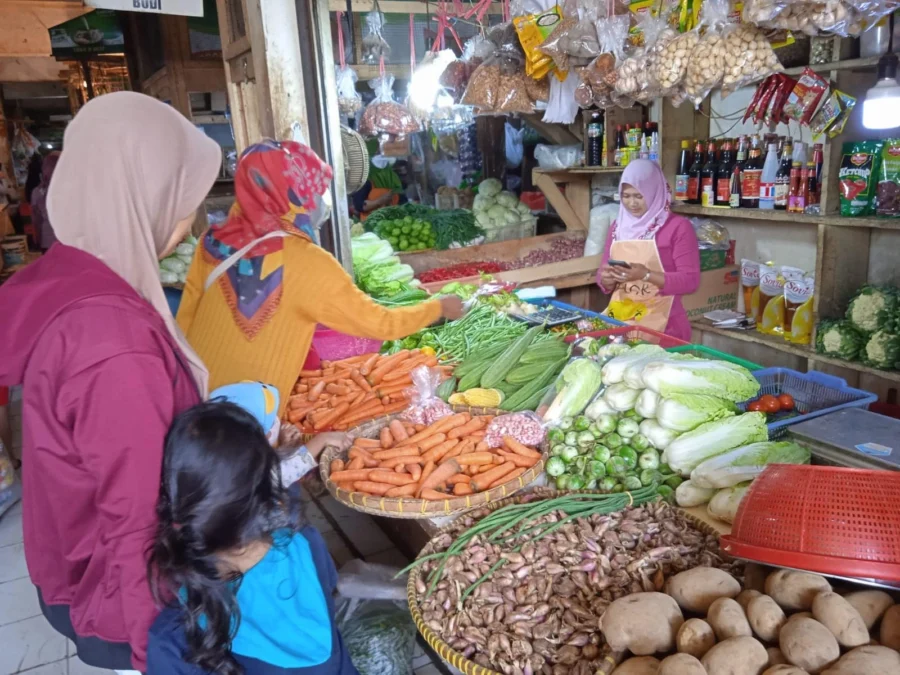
(750, 287)
(847, 104)
(827, 114)
(533, 30)
(858, 175)
(775, 109)
(575, 42)
(374, 46)
(798, 308)
(887, 197)
(804, 99)
(670, 68)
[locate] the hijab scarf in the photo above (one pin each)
(647, 178)
(276, 186)
(384, 178)
(133, 168)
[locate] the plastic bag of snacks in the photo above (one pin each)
(838, 17)
(349, 100)
(832, 115)
(384, 116)
(500, 85)
(748, 57)
(598, 79)
(645, 65)
(804, 98)
(374, 46)
(706, 67)
(887, 195)
(425, 406)
(575, 42)
(533, 30)
(670, 66)
(525, 427)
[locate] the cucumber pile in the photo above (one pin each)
(512, 376)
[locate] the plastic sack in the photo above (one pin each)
(706, 66)
(711, 235)
(600, 220)
(515, 148)
(374, 46)
(379, 635)
(562, 108)
(499, 85)
(838, 17)
(557, 157)
(384, 116)
(575, 42)
(670, 60)
(533, 31)
(425, 406)
(349, 100)
(525, 427)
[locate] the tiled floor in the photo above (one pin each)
(29, 645)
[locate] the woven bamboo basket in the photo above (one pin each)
(405, 507)
(610, 659)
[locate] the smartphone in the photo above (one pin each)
(619, 263)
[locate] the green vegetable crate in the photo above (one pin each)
(704, 352)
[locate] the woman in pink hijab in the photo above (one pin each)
(651, 257)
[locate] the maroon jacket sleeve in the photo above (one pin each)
(120, 430)
(685, 278)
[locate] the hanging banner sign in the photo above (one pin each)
(179, 7)
(94, 33)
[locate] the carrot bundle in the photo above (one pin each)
(345, 393)
(443, 460)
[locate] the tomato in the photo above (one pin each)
(769, 404)
(786, 401)
(755, 406)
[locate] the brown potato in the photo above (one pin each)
(695, 637)
(795, 590)
(696, 589)
(800, 615)
(841, 618)
(728, 619)
(785, 669)
(766, 618)
(639, 665)
(871, 605)
(736, 656)
(808, 644)
(890, 628)
(867, 660)
(642, 623)
(681, 664)
(776, 658)
(746, 596)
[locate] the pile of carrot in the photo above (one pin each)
(445, 459)
(343, 394)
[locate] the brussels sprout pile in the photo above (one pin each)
(609, 454)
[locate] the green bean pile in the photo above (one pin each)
(515, 518)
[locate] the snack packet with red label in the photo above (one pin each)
(805, 97)
(758, 94)
(858, 175)
(775, 109)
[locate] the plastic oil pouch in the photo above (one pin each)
(798, 308)
(750, 270)
(770, 319)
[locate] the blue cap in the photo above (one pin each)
(258, 399)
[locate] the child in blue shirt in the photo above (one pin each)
(246, 590)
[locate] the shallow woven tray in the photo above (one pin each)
(611, 659)
(406, 507)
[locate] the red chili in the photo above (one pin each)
(460, 271)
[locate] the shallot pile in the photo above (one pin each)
(523, 592)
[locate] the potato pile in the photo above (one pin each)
(781, 623)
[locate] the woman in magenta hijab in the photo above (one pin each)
(651, 257)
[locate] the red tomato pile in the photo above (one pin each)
(771, 405)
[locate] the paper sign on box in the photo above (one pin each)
(719, 289)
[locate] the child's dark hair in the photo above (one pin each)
(220, 490)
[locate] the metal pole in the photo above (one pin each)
(88, 78)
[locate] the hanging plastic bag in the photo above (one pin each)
(706, 67)
(600, 221)
(375, 626)
(533, 30)
(499, 85)
(557, 157)
(670, 61)
(562, 107)
(384, 116)
(374, 47)
(748, 57)
(425, 406)
(598, 79)
(349, 100)
(837, 17)
(515, 148)
(575, 42)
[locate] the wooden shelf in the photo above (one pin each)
(585, 169)
(367, 72)
(785, 217)
(780, 344)
(868, 63)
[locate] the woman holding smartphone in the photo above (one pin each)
(651, 256)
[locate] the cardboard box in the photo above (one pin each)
(719, 289)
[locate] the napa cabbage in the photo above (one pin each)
(621, 397)
(683, 412)
(711, 439)
(659, 437)
(698, 376)
(746, 463)
(614, 369)
(576, 385)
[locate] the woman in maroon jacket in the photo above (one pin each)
(87, 330)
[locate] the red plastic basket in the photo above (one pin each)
(634, 333)
(831, 520)
(334, 346)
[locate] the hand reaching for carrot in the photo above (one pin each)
(334, 439)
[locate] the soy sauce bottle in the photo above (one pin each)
(694, 174)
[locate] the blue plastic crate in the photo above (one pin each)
(814, 394)
(573, 308)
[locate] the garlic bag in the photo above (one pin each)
(706, 67)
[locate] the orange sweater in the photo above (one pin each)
(316, 290)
